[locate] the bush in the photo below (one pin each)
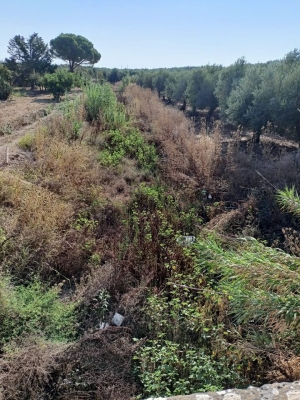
(34, 308)
(167, 368)
(101, 105)
(5, 73)
(59, 83)
(130, 144)
(27, 141)
(5, 89)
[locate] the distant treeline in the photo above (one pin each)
(250, 95)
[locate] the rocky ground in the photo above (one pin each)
(275, 391)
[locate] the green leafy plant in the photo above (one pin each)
(35, 308)
(289, 200)
(27, 141)
(59, 83)
(73, 112)
(5, 89)
(130, 144)
(166, 368)
(101, 105)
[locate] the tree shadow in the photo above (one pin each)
(50, 100)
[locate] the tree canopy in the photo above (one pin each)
(74, 49)
(28, 56)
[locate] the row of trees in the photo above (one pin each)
(250, 95)
(31, 58)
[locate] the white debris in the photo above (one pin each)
(186, 240)
(117, 319)
(103, 325)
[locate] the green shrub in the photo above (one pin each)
(73, 112)
(59, 83)
(130, 144)
(101, 105)
(34, 79)
(32, 309)
(166, 368)
(5, 73)
(5, 89)
(27, 141)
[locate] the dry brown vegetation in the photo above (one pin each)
(190, 161)
(98, 230)
(230, 169)
(98, 366)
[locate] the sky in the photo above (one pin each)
(161, 33)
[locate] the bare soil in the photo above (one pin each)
(18, 116)
(20, 111)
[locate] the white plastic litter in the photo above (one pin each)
(117, 319)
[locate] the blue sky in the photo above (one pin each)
(161, 33)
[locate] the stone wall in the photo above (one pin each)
(275, 391)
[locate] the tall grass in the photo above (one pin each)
(102, 106)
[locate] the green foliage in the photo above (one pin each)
(74, 49)
(5, 73)
(289, 200)
(101, 105)
(5, 89)
(227, 81)
(34, 79)
(5, 83)
(166, 368)
(225, 289)
(59, 83)
(257, 281)
(19, 92)
(34, 308)
(27, 141)
(28, 56)
(129, 144)
(73, 112)
(200, 89)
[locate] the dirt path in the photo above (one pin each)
(17, 117)
(10, 152)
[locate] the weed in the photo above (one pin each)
(35, 308)
(102, 106)
(5, 130)
(73, 113)
(27, 142)
(129, 144)
(20, 92)
(166, 368)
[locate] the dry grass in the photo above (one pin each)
(42, 204)
(34, 221)
(224, 167)
(68, 169)
(98, 366)
(26, 371)
(190, 161)
(37, 210)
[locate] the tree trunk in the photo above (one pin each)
(71, 66)
(256, 137)
(208, 117)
